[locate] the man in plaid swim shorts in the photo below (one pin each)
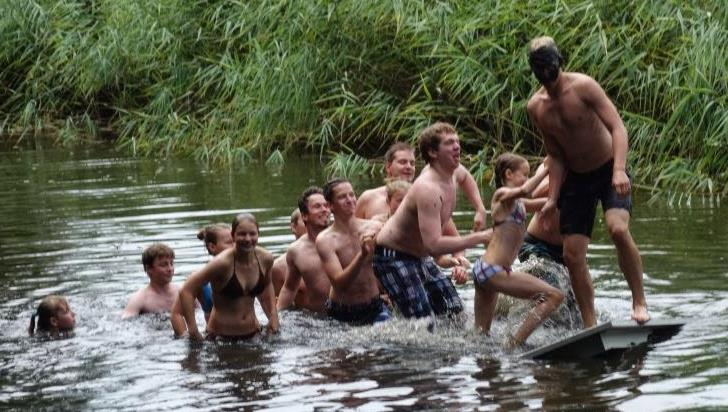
(403, 257)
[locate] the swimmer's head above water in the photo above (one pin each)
(545, 59)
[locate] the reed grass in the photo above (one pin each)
(229, 81)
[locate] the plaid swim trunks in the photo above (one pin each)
(415, 285)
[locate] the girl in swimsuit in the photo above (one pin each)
(54, 316)
(217, 238)
(492, 273)
(238, 276)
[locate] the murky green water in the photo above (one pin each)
(75, 223)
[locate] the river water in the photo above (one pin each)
(74, 222)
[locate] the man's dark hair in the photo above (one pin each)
(329, 187)
(431, 137)
(303, 200)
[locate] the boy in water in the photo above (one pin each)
(159, 295)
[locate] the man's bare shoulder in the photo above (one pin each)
(326, 237)
(370, 193)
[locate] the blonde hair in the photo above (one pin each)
(48, 307)
(397, 185)
(539, 42)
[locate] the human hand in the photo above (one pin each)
(621, 183)
(367, 244)
(479, 220)
(459, 274)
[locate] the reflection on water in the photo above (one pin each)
(75, 223)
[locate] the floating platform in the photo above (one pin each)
(608, 338)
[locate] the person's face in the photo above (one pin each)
(518, 176)
(298, 228)
(396, 200)
(546, 65)
(224, 241)
(65, 319)
(344, 199)
(448, 151)
(402, 166)
(162, 270)
(246, 235)
(318, 211)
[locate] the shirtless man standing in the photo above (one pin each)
(587, 142)
(345, 250)
(402, 258)
(159, 295)
(280, 267)
(302, 259)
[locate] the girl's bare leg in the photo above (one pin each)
(524, 286)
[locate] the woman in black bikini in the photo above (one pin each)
(238, 275)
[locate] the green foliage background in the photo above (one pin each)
(227, 81)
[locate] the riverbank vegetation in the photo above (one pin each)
(229, 81)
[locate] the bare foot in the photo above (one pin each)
(640, 315)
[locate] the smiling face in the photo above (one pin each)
(245, 235)
(160, 272)
(343, 199)
(402, 165)
(318, 212)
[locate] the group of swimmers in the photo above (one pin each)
(385, 251)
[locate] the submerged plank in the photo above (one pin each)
(608, 337)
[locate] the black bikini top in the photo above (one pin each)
(233, 289)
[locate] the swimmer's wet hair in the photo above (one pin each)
(48, 307)
(431, 136)
(303, 200)
(211, 233)
(397, 185)
(154, 251)
(396, 147)
(329, 187)
(240, 217)
(506, 161)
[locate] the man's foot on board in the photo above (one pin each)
(640, 314)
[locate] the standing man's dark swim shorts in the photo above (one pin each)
(579, 195)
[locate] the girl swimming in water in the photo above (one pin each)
(54, 316)
(238, 276)
(492, 273)
(217, 238)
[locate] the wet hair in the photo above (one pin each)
(240, 217)
(431, 136)
(394, 148)
(303, 200)
(506, 161)
(295, 216)
(329, 187)
(396, 185)
(48, 307)
(211, 233)
(154, 251)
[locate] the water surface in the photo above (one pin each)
(75, 223)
